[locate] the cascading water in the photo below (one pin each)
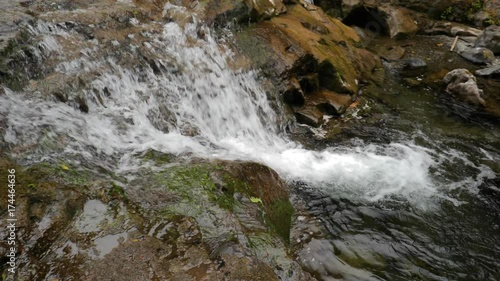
(226, 112)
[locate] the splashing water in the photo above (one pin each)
(226, 112)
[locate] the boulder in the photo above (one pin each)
(462, 83)
(477, 55)
(305, 52)
(293, 94)
(451, 29)
(412, 66)
(400, 21)
(330, 103)
(222, 12)
(311, 116)
(490, 39)
(265, 9)
(489, 72)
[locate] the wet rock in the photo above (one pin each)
(264, 183)
(489, 72)
(439, 28)
(305, 44)
(265, 9)
(412, 64)
(400, 21)
(294, 95)
(82, 104)
(462, 83)
(410, 67)
(452, 29)
(490, 39)
(330, 103)
(477, 55)
(390, 53)
(311, 116)
(240, 11)
(12, 15)
(465, 31)
(319, 257)
(309, 82)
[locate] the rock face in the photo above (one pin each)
(462, 83)
(307, 52)
(185, 222)
(490, 39)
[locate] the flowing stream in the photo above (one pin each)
(403, 201)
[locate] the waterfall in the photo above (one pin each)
(197, 104)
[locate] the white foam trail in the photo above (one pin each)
(133, 110)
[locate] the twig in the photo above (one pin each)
(454, 43)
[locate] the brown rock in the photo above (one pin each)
(330, 103)
(293, 94)
(462, 83)
(309, 115)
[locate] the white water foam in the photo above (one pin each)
(226, 112)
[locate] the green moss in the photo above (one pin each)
(15, 66)
(280, 214)
(463, 13)
(183, 178)
(62, 172)
(446, 14)
(197, 191)
(116, 190)
(157, 157)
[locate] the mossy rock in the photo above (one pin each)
(261, 182)
(199, 189)
(19, 61)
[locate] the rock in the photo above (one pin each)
(240, 11)
(311, 116)
(319, 256)
(490, 39)
(265, 9)
(470, 40)
(410, 67)
(452, 29)
(489, 72)
(465, 31)
(11, 17)
(305, 44)
(400, 21)
(490, 14)
(330, 103)
(439, 28)
(477, 55)
(397, 22)
(462, 83)
(390, 53)
(294, 95)
(414, 64)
